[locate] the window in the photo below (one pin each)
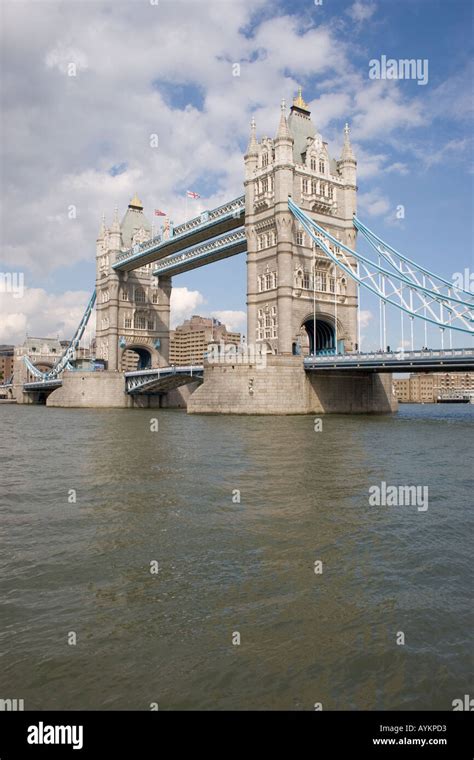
(322, 188)
(151, 324)
(264, 184)
(305, 186)
(306, 280)
(265, 158)
(299, 238)
(313, 164)
(127, 322)
(140, 322)
(124, 295)
(140, 295)
(321, 167)
(314, 186)
(330, 192)
(320, 281)
(268, 281)
(154, 298)
(331, 285)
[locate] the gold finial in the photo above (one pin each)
(136, 202)
(299, 102)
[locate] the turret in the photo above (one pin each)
(283, 140)
(251, 155)
(115, 236)
(347, 162)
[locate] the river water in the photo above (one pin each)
(235, 511)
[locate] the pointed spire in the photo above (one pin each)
(299, 102)
(283, 131)
(102, 230)
(115, 223)
(347, 147)
(136, 203)
(252, 149)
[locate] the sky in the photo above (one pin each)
(166, 68)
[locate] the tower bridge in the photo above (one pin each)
(297, 224)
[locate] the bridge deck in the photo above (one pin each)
(216, 250)
(408, 361)
(204, 227)
(161, 379)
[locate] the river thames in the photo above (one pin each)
(156, 551)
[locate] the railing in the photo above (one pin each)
(419, 356)
(142, 379)
(235, 206)
(200, 250)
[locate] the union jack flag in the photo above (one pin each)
(159, 213)
(190, 194)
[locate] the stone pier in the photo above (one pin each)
(283, 387)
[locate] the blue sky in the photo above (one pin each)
(84, 140)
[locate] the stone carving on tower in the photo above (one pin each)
(286, 273)
(132, 311)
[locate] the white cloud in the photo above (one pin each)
(373, 203)
(41, 314)
(365, 317)
(235, 321)
(361, 11)
(63, 55)
(63, 134)
(183, 304)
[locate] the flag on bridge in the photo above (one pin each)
(190, 194)
(159, 213)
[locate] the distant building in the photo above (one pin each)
(428, 388)
(6, 362)
(189, 341)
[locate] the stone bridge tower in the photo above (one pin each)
(133, 308)
(296, 301)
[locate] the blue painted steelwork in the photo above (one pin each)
(42, 385)
(384, 249)
(64, 361)
(203, 227)
(196, 256)
(397, 280)
(396, 361)
(162, 379)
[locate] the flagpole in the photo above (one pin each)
(186, 208)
